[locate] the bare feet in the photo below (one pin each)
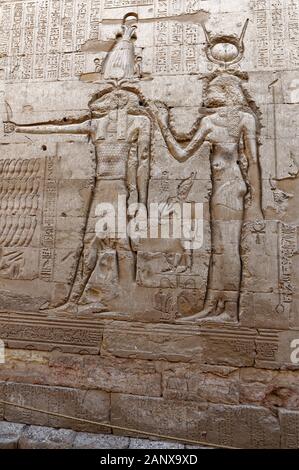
(216, 310)
(95, 307)
(199, 320)
(69, 307)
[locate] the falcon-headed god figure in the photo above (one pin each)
(119, 127)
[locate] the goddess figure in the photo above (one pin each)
(230, 129)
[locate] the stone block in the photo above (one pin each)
(96, 441)
(289, 422)
(91, 405)
(10, 434)
(37, 437)
(238, 426)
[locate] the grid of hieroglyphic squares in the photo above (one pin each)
(42, 39)
(176, 43)
(277, 39)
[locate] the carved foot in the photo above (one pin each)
(74, 308)
(95, 307)
(45, 306)
(66, 307)
(69, 307)
(199, 319)
(214, 311)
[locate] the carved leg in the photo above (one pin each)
(87, 264)
(221, 302)
(218, 306)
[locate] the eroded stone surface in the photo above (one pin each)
(91, 405)
(145, 444)
(239, 426)
(289, 427)
(37, 437)
(10, 434)
(68, 149)
(96, 441)
(188, 301)
(20, 436)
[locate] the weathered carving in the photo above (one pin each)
(275, 26)
(288, 246)
(148, 216)
(120, 130)
(120, 63)
(225, 50)
(20, 197)
(19, 201)
(231, 129)
(280, 197)
(40, 41)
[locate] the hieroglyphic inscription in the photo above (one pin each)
(126, 3)
(89, 404)
(290, 429)
(176, 43)
(48, 228)
(288, 246)
(176, 47)
(276, 23)
(41, 40)
(266, 350)
(177, 7)
(292, 31)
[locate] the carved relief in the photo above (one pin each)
(225, 50)
(276, 24)
(120, 131)
(40, 41)
(19, 201)
(120, 63)
(214, 161)
(231, 129)
(20, 205)
(48, 225)
(116, 117)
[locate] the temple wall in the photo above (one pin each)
(197, 335)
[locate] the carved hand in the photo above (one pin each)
(160, 113)
(254, 214)
(9, 127)
(133, 197)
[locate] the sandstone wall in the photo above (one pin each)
(182, 103)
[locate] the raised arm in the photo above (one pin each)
(180, 153)
(254, 172)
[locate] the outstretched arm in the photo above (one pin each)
(77, 128)
(181, 154)
(254, 172)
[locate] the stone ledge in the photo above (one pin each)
(10, 434)
(20, 436)
(91, 405)
(239, 426)
(36, 437)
